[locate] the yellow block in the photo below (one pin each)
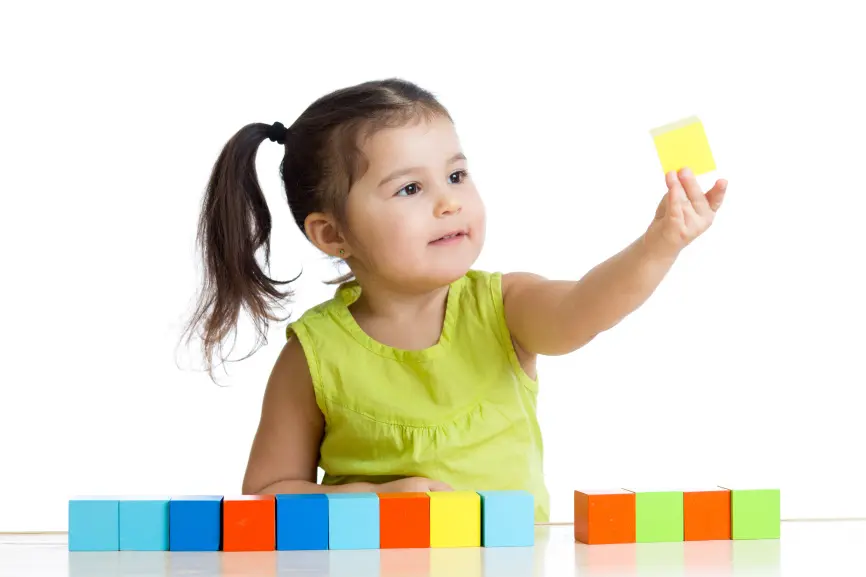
(684, 144)
(455, 519)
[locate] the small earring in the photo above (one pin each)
(342, 252)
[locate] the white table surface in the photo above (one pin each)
(827, 548)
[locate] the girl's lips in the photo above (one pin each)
(450, 238)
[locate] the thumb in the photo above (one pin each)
(716, 195)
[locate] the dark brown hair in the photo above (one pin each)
(322, 160)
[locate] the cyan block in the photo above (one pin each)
(144, 524)
(93, 524)
(302, 522)
(353, 521)
(507, 519)
(195, 523)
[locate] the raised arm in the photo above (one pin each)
(555, 317)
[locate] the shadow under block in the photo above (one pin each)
(404, 520)
(755, 513)
(658, 516)
(93, 524)
(507, 519)
(195, 523)
(455, 519)
(249, 523)
(143, 524)
(604, 517)
(353, 521)
(302, 522)
(684, 143)
(707, 514)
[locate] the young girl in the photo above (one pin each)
(419, 374)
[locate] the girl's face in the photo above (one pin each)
(415, 217)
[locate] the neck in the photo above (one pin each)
(381, 300)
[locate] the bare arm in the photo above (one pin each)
(285, 450)
(555, 317)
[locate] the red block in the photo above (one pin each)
(249, 523)
(604, 517)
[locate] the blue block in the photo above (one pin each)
(507, 519)
(93, 524)
(353, 521)
(144, 524)
(195, 523)
(302, 522)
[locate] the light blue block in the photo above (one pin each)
(144, 524)
(353, 521)
(93, 524)
(507, 519)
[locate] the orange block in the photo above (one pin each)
(249, 523)
(707, 514)
(404, 520)
(603, 517)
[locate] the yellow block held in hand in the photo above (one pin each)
(684, 143)
(455, 519)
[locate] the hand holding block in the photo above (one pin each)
(302, 522)
(684, 143)
(755, 513)
(507, 518)
(353, 521)
(455, 519)
(707, 514)
(143, 523)
(195, 523)
(604, 517)
(93, 524)
(404, 520)
(249, 523)
(658, 516)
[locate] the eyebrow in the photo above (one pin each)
(405, 171)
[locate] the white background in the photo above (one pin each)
(745, 367)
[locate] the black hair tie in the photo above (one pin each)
(277, 133)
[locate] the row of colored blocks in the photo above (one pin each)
(303, 521)
(646, 516)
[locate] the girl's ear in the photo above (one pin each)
(324, 233)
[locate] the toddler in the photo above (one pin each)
(419, 374)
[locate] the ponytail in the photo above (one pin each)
(234, 224)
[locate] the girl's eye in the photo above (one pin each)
(457, 176)
(409, 188)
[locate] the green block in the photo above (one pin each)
(755, 514)
(658, 516)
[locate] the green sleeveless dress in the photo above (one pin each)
(462, 411)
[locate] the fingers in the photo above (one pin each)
(676, 196)
(716, 195)
(693, 191)
(440, 486)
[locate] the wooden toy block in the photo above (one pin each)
(249, 523)
(604, 517)
(195, 523)
(658, 516)
(707, 514)
(143, 523)
(302, 522)
(684, 144)
(353, 521)
(507, 518)
(755, 513)
(93, 524)
(455, 519)
(404, 520)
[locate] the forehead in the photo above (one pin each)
(421, 142)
